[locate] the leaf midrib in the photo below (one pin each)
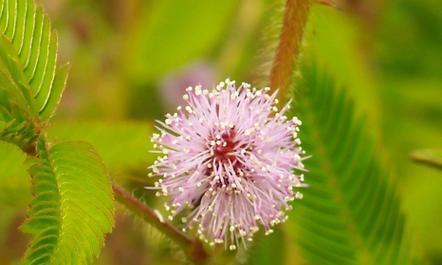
(59, 203)
(354, 236)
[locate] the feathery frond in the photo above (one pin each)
(72, 208)
(33, 48)
(350, 213)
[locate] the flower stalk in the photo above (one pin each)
(289, 46)
(193, 247)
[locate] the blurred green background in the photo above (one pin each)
(131, 60)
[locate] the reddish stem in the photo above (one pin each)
(290, 40)
(193, 247)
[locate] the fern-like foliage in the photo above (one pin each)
(350, 213)
(16, 124)
(72, 208)
(32, 48)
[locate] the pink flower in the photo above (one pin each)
(229, 158)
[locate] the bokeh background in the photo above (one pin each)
(131, 60)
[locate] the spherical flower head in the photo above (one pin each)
(230, 157)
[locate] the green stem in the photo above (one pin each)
(289, 46)
(193, 248)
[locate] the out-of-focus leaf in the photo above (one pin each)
(122, 145)
(14, 180)
(412, 122)
(334, 40)
(416, 51)
(72, 208)
(350, 213)
(268, 249)
(181, 30)
(409, 63)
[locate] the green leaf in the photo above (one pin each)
(32, 46)
(334, 40)
(122, 145)
(16, 125)
(350, 213)
(183, 30)
(14, 180)
(268, 249)
(72, 208)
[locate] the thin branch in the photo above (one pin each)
(193, 247)
(430, 158)
(330, 3)
(289, 46)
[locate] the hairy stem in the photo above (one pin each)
(193, 247)
(289, 46)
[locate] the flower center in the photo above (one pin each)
(225, 146)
